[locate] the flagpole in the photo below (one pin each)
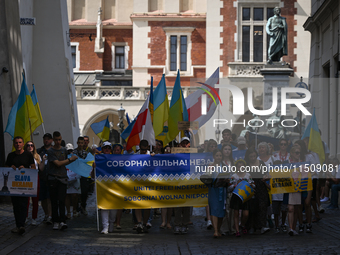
(43, 127)
(29, 120)
(143, 129)
(95, 182)
(256, 140)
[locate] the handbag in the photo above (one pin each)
(222, 180)
(206, 179)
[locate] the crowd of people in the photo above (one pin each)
(60, 188)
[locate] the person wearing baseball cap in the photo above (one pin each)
(108, 215)
(47, 135)
(241, 143)
(185, 142)
(69, 147)
(107, 143)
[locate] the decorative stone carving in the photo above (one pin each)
(132, 94)
(110, 93)
(88, 93)
(242, 69)
(248, 70)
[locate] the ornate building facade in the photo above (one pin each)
(117, 45)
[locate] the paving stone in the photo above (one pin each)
(82, 237)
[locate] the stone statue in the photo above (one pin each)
(274, 127)
(277, 31)
(301, 123)
(254, 126)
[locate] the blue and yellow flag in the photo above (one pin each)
(121, 181)
(37, 109)
(81, 166)
(151, 103)
(102, 129)
(315, 142)
(177, 112)
(161, 111)
(127, 131)
(22, 114)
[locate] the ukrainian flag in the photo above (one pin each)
(161, 111)
(102, 129)
(177, 112)
(151, 103)
(126, 133)
(315, 142)
(37, 109)
(22, 114)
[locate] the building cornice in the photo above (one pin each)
(320, 15)
(169, 17)
(107, 24)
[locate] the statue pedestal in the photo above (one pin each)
(275, 75)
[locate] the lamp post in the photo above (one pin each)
(217, 134)
(121, 114)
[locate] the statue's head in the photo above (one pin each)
(277, 10)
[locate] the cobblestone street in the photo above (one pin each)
(82, 237)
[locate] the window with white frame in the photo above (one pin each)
(178, 50)
(120, 53)
(75, 55)
(119, 57)
(252, 36)
(178, 60)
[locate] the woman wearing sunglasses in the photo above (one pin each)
(39, 164)
(282, 154)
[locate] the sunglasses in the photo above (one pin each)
(297, 153)
(30, 145)
(283, 144)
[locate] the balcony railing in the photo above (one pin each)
(121, 92)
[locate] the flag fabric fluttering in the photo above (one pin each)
(37, 109)
(142, 128)
(177, 111)
(161, 111)
(81, 166)
(151, 102)
(102, 129)
(22, 114)
(193, 101)
(128, 119)
(127, 131)
(315, 143)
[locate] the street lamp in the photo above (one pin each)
(217, 134)
(121, 114)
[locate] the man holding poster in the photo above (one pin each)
(19, 159)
